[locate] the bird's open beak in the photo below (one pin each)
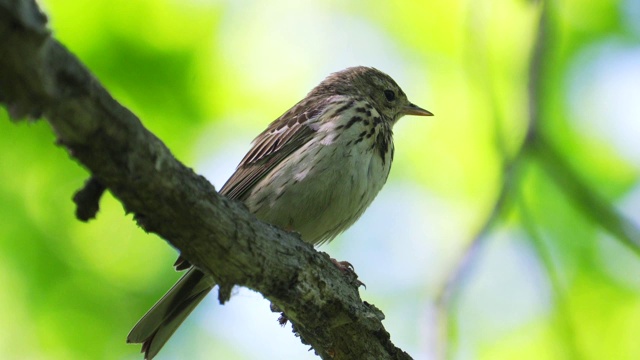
(416, 110)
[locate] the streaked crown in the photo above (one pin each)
(374, 85)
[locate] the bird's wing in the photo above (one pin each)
(281, 138)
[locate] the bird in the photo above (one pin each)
(314, 170)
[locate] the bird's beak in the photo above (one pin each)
(416, 110)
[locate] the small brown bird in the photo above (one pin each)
(314, 170)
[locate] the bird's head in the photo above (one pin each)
(375, 86)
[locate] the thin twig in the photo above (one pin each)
(587, 201)
(446, 298)
(565, 327)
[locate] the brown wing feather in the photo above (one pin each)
(246, 176)
(281, 138)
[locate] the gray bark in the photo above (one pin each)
(40, 78)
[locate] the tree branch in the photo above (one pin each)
(39, 77)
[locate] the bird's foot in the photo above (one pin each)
(349, 272)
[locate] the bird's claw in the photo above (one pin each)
(349, 271)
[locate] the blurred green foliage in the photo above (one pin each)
(199, 73)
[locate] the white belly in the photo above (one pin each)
(322, 188)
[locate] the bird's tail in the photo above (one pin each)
(158, 324)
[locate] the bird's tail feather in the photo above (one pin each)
(158, 324)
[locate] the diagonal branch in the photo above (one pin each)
(39, 77)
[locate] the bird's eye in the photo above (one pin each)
(390, 95)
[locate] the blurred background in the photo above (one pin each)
(474, 249)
